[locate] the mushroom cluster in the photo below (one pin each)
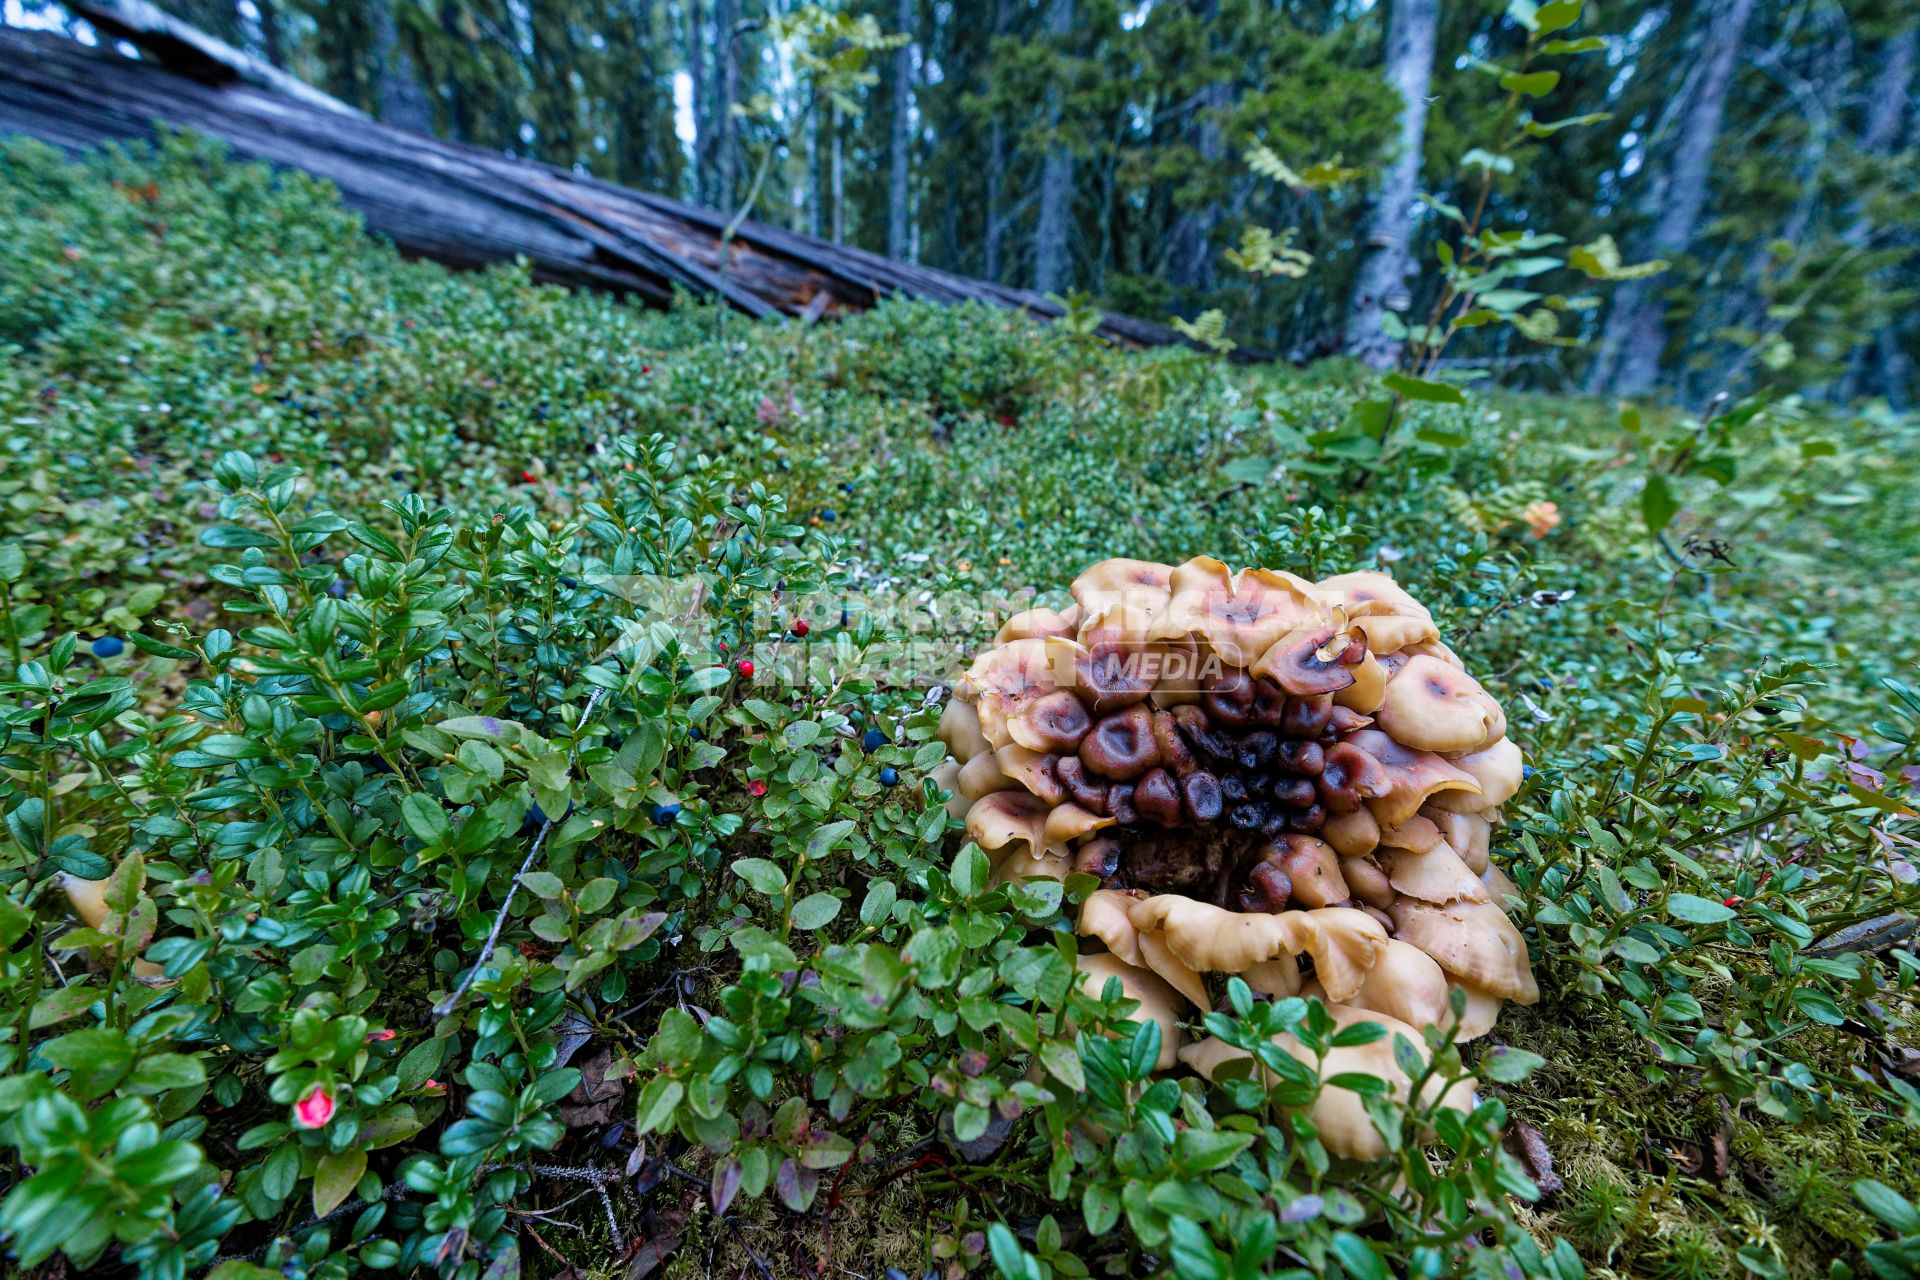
(1287, 780)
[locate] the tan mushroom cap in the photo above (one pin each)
(1381, 610)
(1024, 864)
(1480, 1015)
(1352, 835)
(1431, 706)
(960, 729)
(1031, 770)
(1104, 916)
(1413, 777)
(1136, 583)
(1436, 875)
(1158, 1002)
(1368, 690)
(1470, 834)
(1369, 881)
(1240, 616)
(1405, 983)
(1314, 869)
(1177, 973)
(1346, 1129)
(1416, 833)
(1067, 823)
(1341, 940)
(1499, 887)
(981, 777)
(1473, 941)
(1278, 977)
(1012, 678)
(1008, 818)
(946, 776)
(1037, 623)
(88, 898)
(1498, 770)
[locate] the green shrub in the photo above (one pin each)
(470, 868)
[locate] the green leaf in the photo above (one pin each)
(1530, 84)
(704, 678)
(970, 871)
(815, 910)
(1508, 1065)
(1358, 1257)
(1421, 389)
(1657, 504)
(1888, 1205)
(483, 727)
(1556, 15)
(828, 838)
(1698, 910)
(425, 818)
(762, 876)
(1062, 1062)
(335, 1178)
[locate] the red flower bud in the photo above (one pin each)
(315, 1109)
(756, 788)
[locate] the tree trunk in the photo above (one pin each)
(270, 37)
(1050, 264)
(901, 131)
(814, 184)
(697, 93)
(1635, 334)
(1381, 285)
(403, 99)
(996, 165)
(725, 16)
(1192, 257)
(837, 180)
(1887, 105)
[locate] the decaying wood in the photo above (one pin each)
(457, 204)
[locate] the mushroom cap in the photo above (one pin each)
(1013, 677)
(1346, 1129)
(1404, 983)
(1368, 881)
(1024, 864)
(1478, 1018)
(88, 898)
(1368, 689)
(1158, 1002)
(1104, 916)
(1067, 823)
(1470, 834)
(1498, 770)
(1239, 616)
(1380, 609)
(1213, 939)
(1034, 623)
(1008, 818)
(1412, 777)
(1345, 945)
(1434, 648)
(1139, 584)
(981, 777)
(1033, 770)
(1431, 706)
(1499, 887)
(960, 730)
(1435, 875)
(1278, 977)
(1352, 835)
(1416, 833)
(1179, 975)
(946, 776)
(1473, 941)
(1056, 722)
(1314, 869)
(1308, 660)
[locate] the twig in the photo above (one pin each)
(445, 1007)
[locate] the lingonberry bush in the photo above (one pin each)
(505, 837)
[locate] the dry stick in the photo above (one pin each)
(445, 1007)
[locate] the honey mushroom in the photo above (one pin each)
(1288, 781)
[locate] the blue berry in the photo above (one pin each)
(109, 647)
(693, 731)
(889, 776)
(829, 514)
(873, 740)
(1527, 771)
(664, 814)
(846, 486)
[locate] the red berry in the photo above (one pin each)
(527, 476)
(646, 368)
(744, 667)
(756, 788)
(1732, 902)
(800, 627)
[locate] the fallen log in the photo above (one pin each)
(462, 205)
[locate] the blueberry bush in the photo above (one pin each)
(467, 777)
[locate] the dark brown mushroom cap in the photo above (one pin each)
(1313, 867)
(1084, 790)
(1113, 674)
(1035, 770)
(1155, 797)
(1348, 777)
(1176, 754)
(1307, 716)
(1121, 746)
(1056, 722)
(1412, 777)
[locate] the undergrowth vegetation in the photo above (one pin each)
(469, 911)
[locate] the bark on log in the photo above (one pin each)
(463, 205)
